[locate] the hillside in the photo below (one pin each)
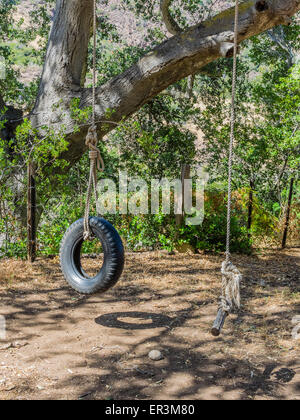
(131, 29)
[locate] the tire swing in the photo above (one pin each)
(89, 228)
(231, 277)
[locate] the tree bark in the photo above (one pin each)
(250, 208)
(287, 220)
(176, 58)
(185, 174)
(31, 213)
(171, 25)
(13, 118)
(2, 104)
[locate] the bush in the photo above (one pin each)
(142, 232)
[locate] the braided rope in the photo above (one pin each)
(231, 277)
(96, 161)
(94, 61)
(232, 129)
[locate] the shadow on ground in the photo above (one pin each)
(105, 340)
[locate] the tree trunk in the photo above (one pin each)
(250, 208)
(287, 220)
(185, 174)
(2, 104)
(31, 213)
(13, 118)
(176, 58)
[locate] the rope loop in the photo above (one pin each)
(94, 154)
(225, 305)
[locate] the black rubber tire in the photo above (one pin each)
(113, 250)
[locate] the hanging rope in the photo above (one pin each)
(231, 277)
(96, 161)
(232, 129)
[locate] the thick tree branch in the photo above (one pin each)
(277, 36)
(178, 57)
(175, 29)
(183, 55)
(170, 23)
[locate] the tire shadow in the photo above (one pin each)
(152, 320)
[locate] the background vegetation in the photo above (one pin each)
(180, 126)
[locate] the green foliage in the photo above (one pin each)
(267, 128)
(264, 221)
(19, 52)
(155, 142)
(80, 115)
(211, 234)
(52, 229)
(144, 232)
(160, 137)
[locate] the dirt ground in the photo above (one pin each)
(61, 345)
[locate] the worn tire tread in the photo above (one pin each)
(113, 257)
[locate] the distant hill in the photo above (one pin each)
(132, 29)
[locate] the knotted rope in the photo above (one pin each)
(231, 277)
(96, 161)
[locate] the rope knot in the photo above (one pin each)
(93, 154)
(91, 137)
(91, 141)
(231, 279)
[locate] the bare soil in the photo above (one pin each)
(62, 345)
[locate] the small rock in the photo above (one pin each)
(6, 346)
(9, 388)
(155, 355)
(262, 283)
(19, 344)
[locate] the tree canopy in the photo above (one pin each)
(164, 77)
